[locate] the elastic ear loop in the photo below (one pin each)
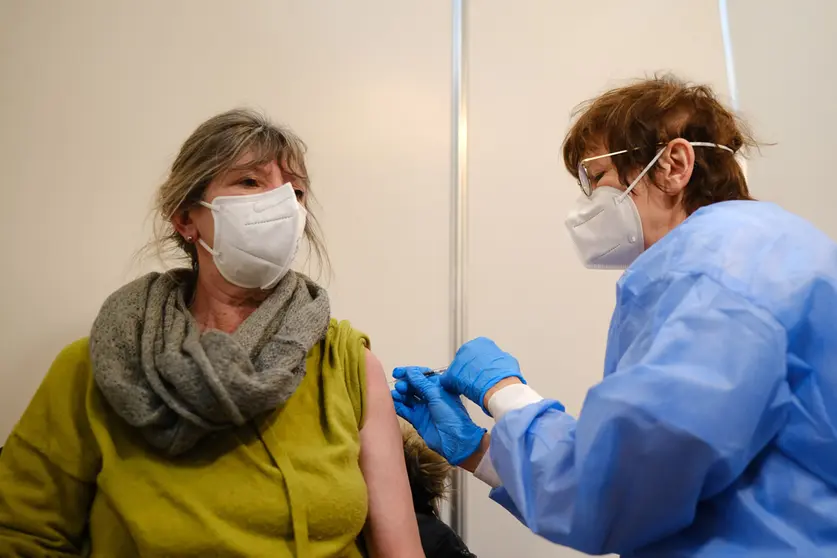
(206, 247)
(656, 158)
(627, 191)
(708, 144)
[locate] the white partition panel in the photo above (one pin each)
(96, 97)
(786, 71)
(529, 64)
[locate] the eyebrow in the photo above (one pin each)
(234, 175)
(250, 168)
(253, 165)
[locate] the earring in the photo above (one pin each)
(189, 239)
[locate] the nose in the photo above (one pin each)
(273, 175)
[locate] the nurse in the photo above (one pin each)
(714, 430)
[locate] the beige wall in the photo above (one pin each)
(97, 95)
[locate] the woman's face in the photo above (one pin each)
(659, 203)
(238, 182)
(198, 222)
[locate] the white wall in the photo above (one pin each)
(786, 71)
(96, 97)
(530, 64)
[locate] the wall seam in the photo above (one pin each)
(459, 223)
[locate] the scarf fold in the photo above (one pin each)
(176, 384)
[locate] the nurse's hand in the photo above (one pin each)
(479, 365)
(438, 416)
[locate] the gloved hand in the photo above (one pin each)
(478, 366)
(438, 416)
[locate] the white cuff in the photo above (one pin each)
(486, 473)
(511, 398)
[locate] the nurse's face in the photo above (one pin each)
(658, 195)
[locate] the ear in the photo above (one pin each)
(674, 169)
(184, 225)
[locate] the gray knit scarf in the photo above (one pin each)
(176, 384)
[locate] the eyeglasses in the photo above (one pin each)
(583, 173)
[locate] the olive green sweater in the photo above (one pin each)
(73, 475)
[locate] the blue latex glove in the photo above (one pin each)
(438, 416)
(478, 366)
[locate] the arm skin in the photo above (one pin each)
(391, 528)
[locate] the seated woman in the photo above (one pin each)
(216, 410)
(429, 476)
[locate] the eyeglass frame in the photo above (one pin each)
(584, 180)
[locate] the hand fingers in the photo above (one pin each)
(401, 372)
(404, 399)
(478, 346)
(427, 387)
(404, 412)
(483, 344)
(449, 383)
(404, 388)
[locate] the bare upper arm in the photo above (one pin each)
(391, 529)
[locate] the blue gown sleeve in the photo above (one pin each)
(665, 430)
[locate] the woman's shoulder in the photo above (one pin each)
(344, 348)
(343, 355)
(69, 378)
(343, 337)
(72, 365)
(57, 422)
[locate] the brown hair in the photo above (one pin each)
(213, 149)
(427, 471)
(649, 113)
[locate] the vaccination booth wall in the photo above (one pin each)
(96, 97)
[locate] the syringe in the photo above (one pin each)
(427, 374)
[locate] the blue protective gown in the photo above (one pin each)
(714, 431)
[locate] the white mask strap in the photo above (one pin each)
(207, 248)
(640, 175)
(709, 144)
(657, 158)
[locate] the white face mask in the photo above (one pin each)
(256, 236)
(606, 229)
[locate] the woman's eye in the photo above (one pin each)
(249, 182)
(597, 177)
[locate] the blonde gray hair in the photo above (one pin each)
(213, 149)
